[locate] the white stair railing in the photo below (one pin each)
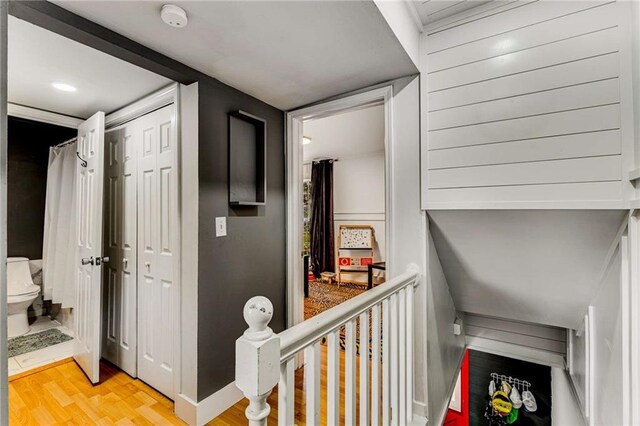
(265, 359)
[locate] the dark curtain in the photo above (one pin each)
(322, 248)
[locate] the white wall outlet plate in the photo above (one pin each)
(221, 226)
(457, 327)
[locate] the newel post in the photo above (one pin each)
(257, 359)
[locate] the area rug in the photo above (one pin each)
(32, 342)
(324, 296)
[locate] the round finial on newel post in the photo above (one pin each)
(258, 312)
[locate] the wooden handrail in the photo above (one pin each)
(302, 335)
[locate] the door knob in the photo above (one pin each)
(87, 261)
(101, 260)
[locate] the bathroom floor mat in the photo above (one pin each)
(32, 342)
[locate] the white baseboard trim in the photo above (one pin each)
(200, 413)
(186, 409)
(419, 408)
(418, 421)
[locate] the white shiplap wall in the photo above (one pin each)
(526, 104)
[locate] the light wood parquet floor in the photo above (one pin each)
(235, 415)
(62, 395)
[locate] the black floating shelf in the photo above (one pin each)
(247, 159)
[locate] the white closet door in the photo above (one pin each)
(89, 200)
(157, 240)
(120, 290)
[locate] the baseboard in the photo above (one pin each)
(418, 421)
(186, 409)
(200, 413)
(419, 408)
(445, 409)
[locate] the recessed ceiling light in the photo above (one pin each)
(64, 87)
(306, 140)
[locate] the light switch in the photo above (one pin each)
(221, 226)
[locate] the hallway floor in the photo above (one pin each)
(62, 395)
(235, 415)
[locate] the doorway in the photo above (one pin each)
(344, 206)
(299, 218)
(87, 290)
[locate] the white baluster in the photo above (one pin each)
(257, 359)
(350, 374)
(402, 358)
(393, 325)
(364, 368)
(333, 379)
(375, 365)
(386, 363)
(409, 325)
(286, 393)
(312, 383)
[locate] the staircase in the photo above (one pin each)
(377, 389)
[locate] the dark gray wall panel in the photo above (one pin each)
(29, 143)
(250, 260)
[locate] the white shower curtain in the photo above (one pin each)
(59, 245)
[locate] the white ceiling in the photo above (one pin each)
(347, 135)
(431, 11)
(287, 54)
(534, 266)
(37, 58)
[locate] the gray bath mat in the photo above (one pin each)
(33, 342)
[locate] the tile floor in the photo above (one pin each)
(25, 362)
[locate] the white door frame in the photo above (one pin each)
(166, 96)
(294, 160)
(4, 385)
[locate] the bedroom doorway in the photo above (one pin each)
(338, 201)
(343, 206)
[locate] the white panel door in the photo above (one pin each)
(120, 275)
(89, 193)
(157, 239)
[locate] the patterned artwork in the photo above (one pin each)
(355, 237)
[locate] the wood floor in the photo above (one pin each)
(235, 415)
(62, 395)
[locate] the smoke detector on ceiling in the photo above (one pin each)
(174, 16)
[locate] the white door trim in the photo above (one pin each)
(158, 99)
(153, 101)
(294, 161)
(4, 386)
(42, 116)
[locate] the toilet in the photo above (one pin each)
(21, 292)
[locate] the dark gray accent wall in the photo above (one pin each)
(28, 158)
(250, 260)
